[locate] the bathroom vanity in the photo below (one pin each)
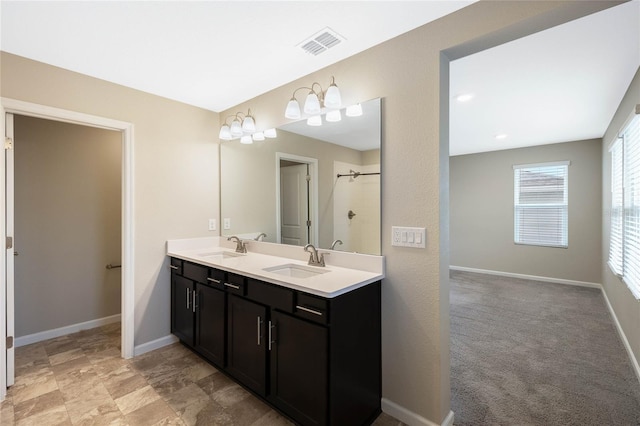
(304, 339)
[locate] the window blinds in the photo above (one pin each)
(617, 209)
(624, 240)
(541, 204)
(631, 236)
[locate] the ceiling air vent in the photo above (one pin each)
(321, 41)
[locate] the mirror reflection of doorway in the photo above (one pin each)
(295, 217)
(297, 190)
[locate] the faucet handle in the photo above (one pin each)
(321, 257)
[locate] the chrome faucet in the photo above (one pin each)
(314, 259)
(260, 236)
(241, 246)
(333, 244)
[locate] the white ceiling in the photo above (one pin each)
(559, 85)
(212, 54)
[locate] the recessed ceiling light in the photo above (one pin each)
(501, 136)
(465, 97)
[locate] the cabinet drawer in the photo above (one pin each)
(312, 308)
(269, 294)
(195, 272)
(235, 284)
(216, 278)
(176, 265)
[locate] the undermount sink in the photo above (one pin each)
(219, 255)
(296, 271)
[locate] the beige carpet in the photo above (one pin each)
(532, 353)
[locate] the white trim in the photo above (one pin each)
(527, 277)
(63, 331)
(314, 190)
(448, 421)
(623, 337)
(549, 164)
(128, 285)
(409, 417)
(155, 344)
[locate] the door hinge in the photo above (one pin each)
(8, 143)
(9, 242)
(308, 224)
(9, 342)
(308, 178)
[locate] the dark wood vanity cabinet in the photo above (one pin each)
(197, 310)
(247, 343)
(316, 360)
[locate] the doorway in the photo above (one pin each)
(9, 107)
(296, 199)
(67, 228)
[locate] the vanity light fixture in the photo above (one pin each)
(243, 127)
(317, 98)
(465, 97)
(354, 110)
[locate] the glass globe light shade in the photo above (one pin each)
(246, 139)
(354, 110)
(332, 98)
(314, 120)
(333, 116)
(225, 133)
(270, 133)
(236, 128)
(312, 104)
(258, 136)
(248, 124)
(293, 109)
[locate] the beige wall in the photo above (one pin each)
(248, 182)
(175, 169)
(624, 304)
(482, 213)
(177, 174)
(412, 77)
(67, 226)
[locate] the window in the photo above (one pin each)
(541, 204)
(624, 245)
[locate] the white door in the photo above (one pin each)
(10, 244)
(294, 205)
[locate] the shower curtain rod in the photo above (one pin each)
(356, 174)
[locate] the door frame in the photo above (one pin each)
(313, 162)
(14, 106)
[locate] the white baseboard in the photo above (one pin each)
(154, 344)
(627, 346)
(409, 417)
(63, 331)
(526, 277)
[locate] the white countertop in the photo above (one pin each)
(335, 281)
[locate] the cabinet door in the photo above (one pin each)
(299, 368)
(182, 308)
(246, 343)
(210, 323)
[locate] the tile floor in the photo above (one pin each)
(80, 379)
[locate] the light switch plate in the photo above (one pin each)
(403, 236)
(212, 224)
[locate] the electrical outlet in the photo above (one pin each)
(212, 224)
(402, 236)
(227, 223)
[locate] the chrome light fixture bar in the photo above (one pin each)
(316, 100)
(243, 127)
